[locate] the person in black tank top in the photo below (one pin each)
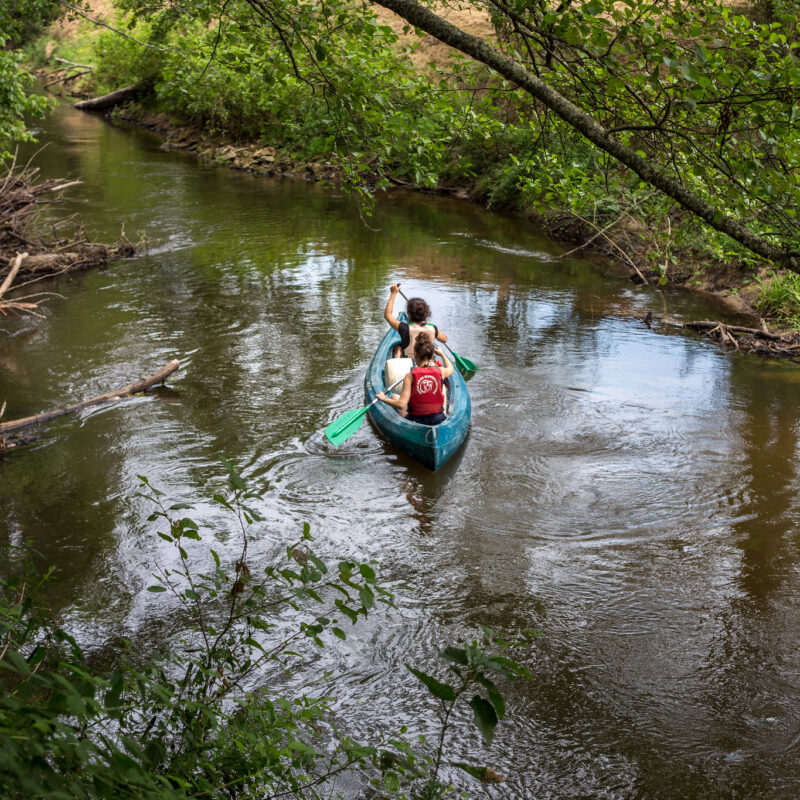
(418, 312)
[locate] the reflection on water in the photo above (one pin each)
(630, 494)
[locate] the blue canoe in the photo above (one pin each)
(431, 445)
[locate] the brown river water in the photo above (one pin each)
(630, 493)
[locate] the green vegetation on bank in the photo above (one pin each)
(214, 718)
(708, 92)
(19, 23)
(779, 298)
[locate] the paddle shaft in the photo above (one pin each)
(353, 419)
(388, 390)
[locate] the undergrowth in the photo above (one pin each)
(779, 297)
(213, 718)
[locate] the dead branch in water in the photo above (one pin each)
(751, 340)
(31, 249)
(137, 387)
(12, 273)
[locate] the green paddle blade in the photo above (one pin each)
(345, 426)
(464, 364)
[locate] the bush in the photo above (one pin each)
(779, 297)
(187, 725)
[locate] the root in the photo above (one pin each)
(749, 340)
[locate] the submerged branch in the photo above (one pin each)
(137, 387)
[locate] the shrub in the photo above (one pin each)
(197, 723)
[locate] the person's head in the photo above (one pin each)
(418, 310)
(397, 351)
(423, 348)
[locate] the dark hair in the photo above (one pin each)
(423, 347)
(397, 351)
(418, 310)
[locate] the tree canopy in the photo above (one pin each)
(19, 20)
(698, 100)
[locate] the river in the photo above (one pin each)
(631, 494)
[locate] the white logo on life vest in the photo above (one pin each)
(427, 384)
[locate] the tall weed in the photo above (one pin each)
(779, 297)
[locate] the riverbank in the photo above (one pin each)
(626, 241)
(395, 113)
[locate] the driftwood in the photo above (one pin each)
(108, 100)
(31, 249)
(751, 340)
(9, 279)
(137, 387)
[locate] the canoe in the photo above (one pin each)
(431, 445)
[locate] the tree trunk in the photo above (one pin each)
(586, 125)
(132, 388)
(108, 100)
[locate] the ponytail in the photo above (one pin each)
(423, 347)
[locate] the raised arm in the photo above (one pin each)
(447, 369)
(388, 313)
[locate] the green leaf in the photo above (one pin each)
(317, 562)
(348, 612)
(366, 597)
(391, 783)
(156, 589)
(485, 717)
(494, 695)
(18, 661)
(441, 690)
(455, 654)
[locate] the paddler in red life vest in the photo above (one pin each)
(423, 394)
(418, 312)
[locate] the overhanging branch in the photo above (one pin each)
(586, 125)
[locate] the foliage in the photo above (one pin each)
(23, 19)
(20, 18)
(349, 98)
(208, 720)
(708, 94)
(475, 670)
(779, 297)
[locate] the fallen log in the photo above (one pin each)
(108, 100)
(137, 387)
(760, 341)
(67, 261)
(12, 273)
(758, 333)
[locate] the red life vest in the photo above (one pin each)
(427, 396)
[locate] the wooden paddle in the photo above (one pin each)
(464, 364)
(344, 426)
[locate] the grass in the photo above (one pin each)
(779, 297)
